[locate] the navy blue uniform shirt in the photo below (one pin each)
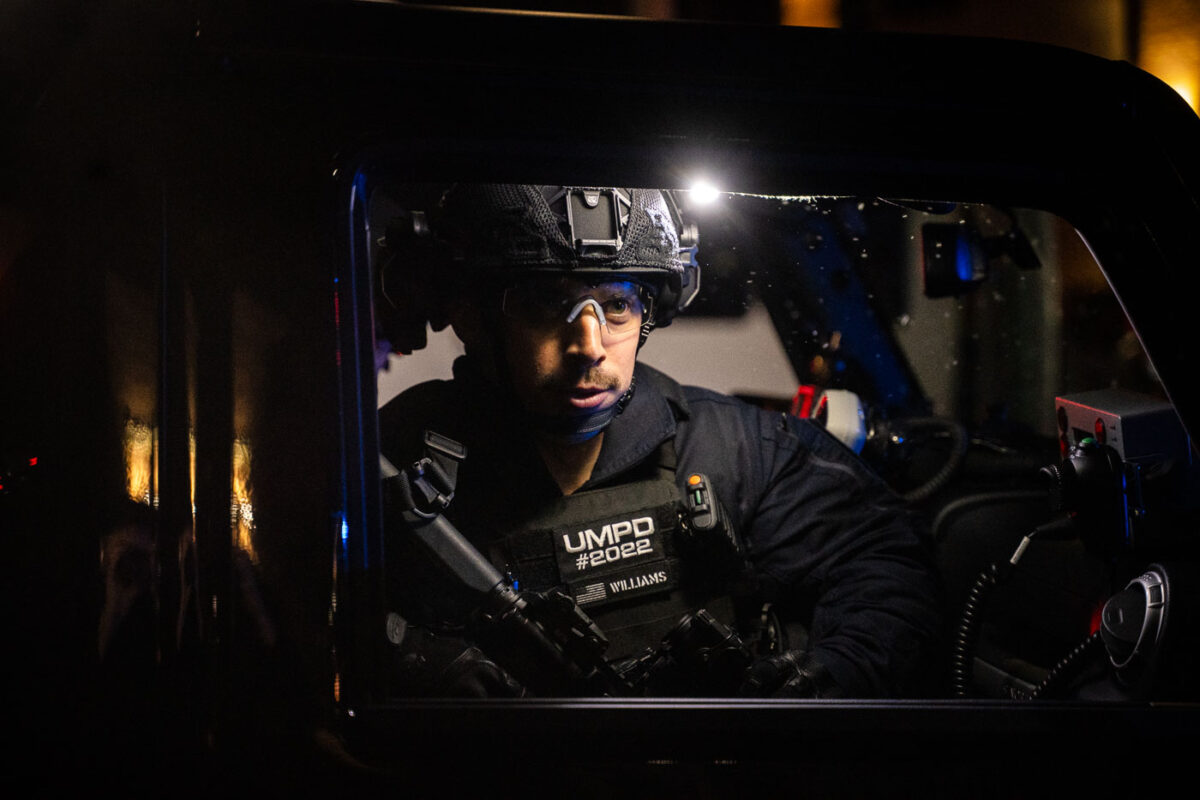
(823, 533)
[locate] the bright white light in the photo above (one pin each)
(703, 192)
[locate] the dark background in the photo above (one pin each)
(1160, 36)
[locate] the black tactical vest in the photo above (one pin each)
(617, 552)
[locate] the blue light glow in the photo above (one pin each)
(963, 263)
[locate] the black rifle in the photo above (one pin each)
(542, 639)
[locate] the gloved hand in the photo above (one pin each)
(431, 665)
(473, 674)
(792, 673)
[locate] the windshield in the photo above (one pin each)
(957, 352)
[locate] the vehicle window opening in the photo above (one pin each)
(970, 356)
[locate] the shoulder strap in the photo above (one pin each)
(433, 477)
(667, 461)
(445, 454)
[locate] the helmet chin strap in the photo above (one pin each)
(576, 428)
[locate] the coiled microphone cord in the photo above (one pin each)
(1065, 668)
(963, 654)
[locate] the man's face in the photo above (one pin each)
(562, 360)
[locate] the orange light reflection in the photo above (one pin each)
(242, 505)
(141, 462)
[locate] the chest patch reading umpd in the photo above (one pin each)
(615, 558)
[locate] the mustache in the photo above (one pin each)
(592, 377)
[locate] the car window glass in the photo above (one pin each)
(958, 330)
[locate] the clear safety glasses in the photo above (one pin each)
(619, 306)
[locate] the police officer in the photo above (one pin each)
(577, 457)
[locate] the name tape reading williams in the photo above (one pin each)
(615, 558)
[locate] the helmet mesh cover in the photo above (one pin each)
(513, 227)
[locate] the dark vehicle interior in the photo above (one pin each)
(975, 357)
(212, 229)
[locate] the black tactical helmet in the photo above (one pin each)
(489, 235)
(495, 233)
